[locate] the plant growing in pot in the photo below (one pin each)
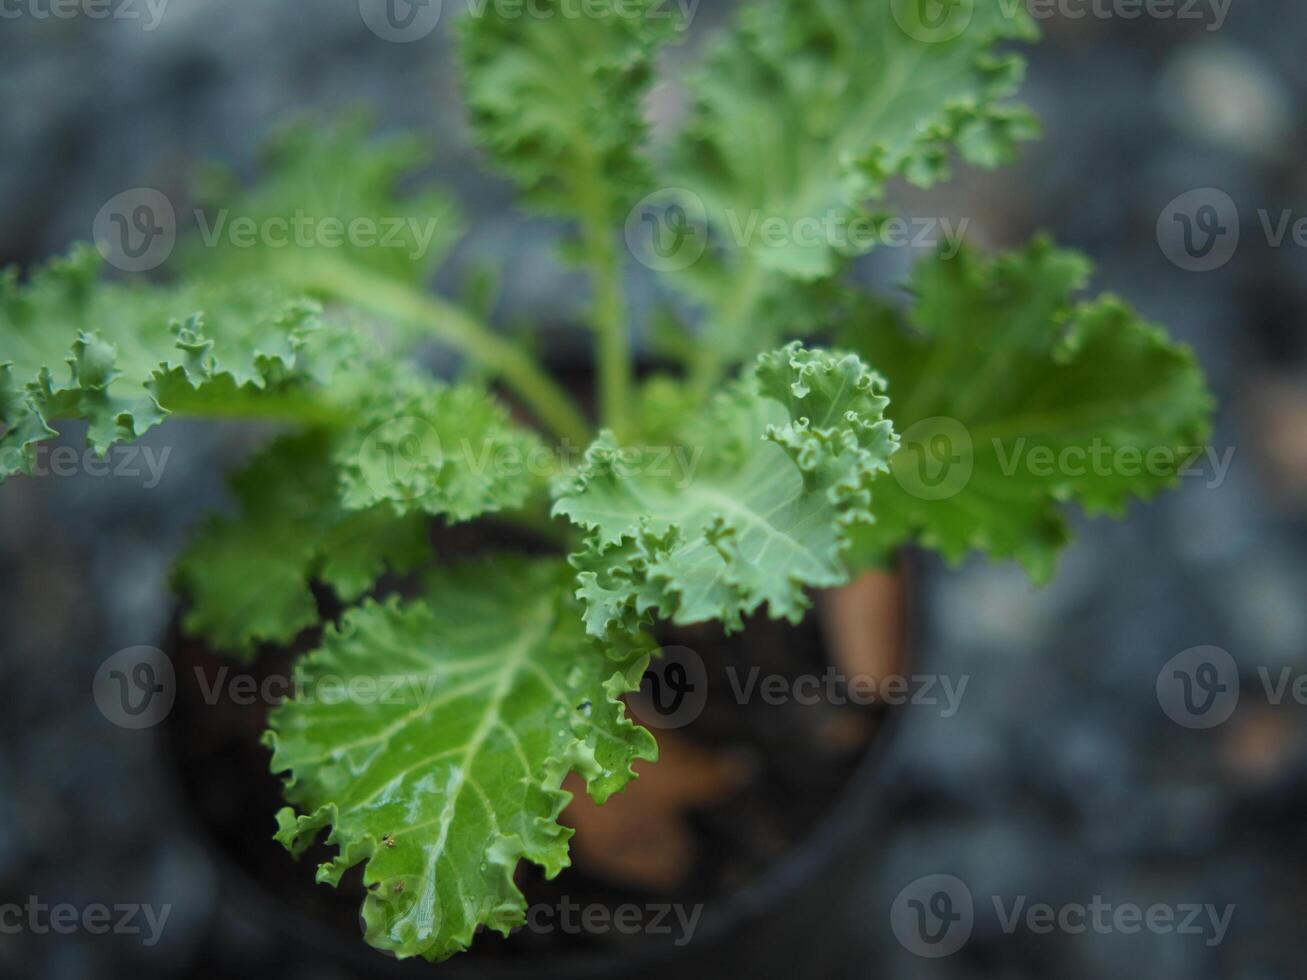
(960, 423)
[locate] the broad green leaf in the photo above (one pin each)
(122, 356)
(447, 451)
(803, 113)
(328, 197)
(755, 506)
(248, 575)
(1012, 397)
(343, 503)
(555, 95)
(443, 769)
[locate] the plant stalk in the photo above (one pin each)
(450, 323)
(608, 317)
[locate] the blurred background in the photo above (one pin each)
(1060, 779)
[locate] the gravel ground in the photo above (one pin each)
(1060, 780)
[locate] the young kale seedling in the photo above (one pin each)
(803, 111)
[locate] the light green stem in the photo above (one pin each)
(450, 323)
(292, 407)
(614, 344)
(709, 364)
(599, 244)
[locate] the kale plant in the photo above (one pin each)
(803, 110)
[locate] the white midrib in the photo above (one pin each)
(757, 519)
(513, 663)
